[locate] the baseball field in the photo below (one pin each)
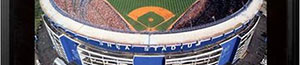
(150, 15)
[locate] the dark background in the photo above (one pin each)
(17, 32)
(21, 32)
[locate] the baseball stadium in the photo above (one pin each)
(151, 32)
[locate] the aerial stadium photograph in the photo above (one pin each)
(150, 32)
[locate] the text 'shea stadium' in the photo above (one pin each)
(151, 32)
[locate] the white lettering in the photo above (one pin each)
(181, 47)
(118, 47)
(198, 43)
(146, 48)
(127, 47)
(155, 48)
(190, 45)
(108, 45)
(173, 47)
(100, 43)
(164, 48)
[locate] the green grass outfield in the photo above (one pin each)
(177, 7)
